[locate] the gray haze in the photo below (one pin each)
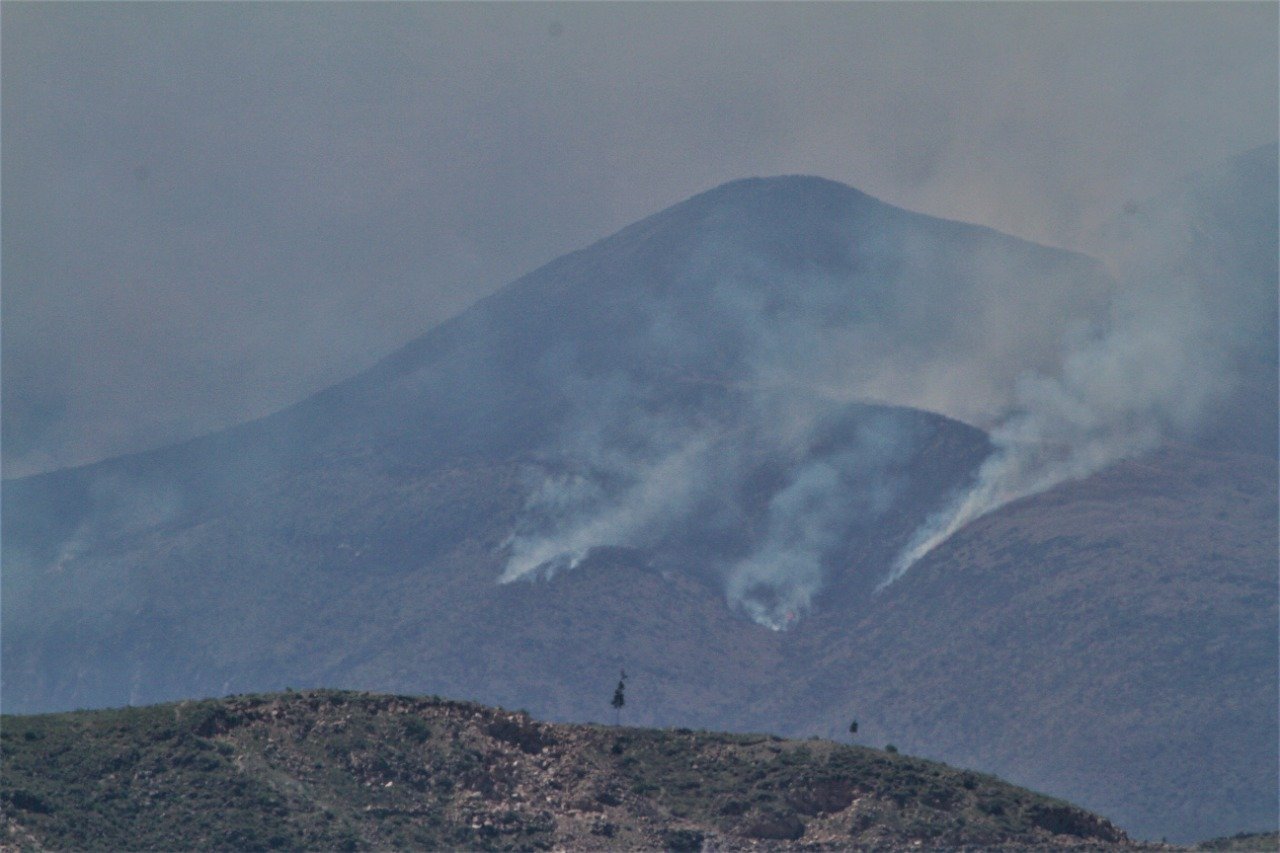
(211, 210)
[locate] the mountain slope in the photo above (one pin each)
(750, 282)
(1132, 614)
(330, 770)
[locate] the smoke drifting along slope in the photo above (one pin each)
(692, 388)
(1191, 332)
(788, 300)
(697, 385)
(761, 489)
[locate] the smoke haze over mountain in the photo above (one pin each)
(1073, 374)
(773, 306)
(679, 435)
(212, 210)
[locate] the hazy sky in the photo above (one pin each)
(211, 210)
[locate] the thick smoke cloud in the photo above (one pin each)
(214, 209)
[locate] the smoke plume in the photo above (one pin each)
(1190, 320)
(729, 432)
(728, 422)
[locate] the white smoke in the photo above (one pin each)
(796, 344)
(570, 514)
(1163, 362)
(1068, 370)
(655, 481)
(807, 520)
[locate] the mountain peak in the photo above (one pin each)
(782, 185)
(780, 197)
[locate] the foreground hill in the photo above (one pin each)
(333, 770)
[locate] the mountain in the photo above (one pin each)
(654, 375)
(753, 282)
(675, 452)
(328, 770)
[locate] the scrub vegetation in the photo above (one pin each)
(342, 770)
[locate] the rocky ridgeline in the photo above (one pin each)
(340, 770)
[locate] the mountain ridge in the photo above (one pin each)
(745, 193)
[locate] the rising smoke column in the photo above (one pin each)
(567, 515)
(624, 470)
(807, 520)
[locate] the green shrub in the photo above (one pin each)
(416, 729)
(682, 840)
